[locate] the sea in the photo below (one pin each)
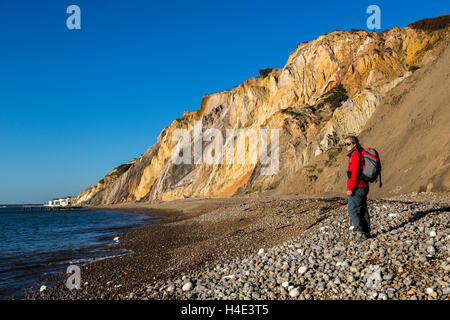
(37, 244)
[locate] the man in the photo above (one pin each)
(357, 190)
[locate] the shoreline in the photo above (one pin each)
(97, 249)
(195, 234)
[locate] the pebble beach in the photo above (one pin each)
(278, 248)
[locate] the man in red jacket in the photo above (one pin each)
(357, 190)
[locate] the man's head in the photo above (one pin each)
(351, 142)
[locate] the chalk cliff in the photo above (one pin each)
(330, 87)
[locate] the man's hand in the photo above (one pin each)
(349, 192)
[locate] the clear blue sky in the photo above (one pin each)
(74, 104)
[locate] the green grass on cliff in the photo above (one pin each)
(265, 72)
(335, 97)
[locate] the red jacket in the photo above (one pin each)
(355, 166)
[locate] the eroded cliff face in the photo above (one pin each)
(328, 89)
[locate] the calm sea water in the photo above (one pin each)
(34, 245)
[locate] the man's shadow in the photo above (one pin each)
(416, 216)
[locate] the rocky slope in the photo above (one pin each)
(329, 87)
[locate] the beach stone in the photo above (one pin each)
(186, 280)
(388, 276)
(382, 296)
(294, 292)
(390, 293)
(170, 289)
(256, 295)
(260, 252)
(376, 275)
(187, 286)
(354, 269)
(302, 269)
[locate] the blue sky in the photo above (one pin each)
(74, 104)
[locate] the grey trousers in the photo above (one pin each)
(357, 210)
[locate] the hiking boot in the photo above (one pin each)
(360, 236)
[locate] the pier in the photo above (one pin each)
(48, 208)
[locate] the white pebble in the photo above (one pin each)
(294, 292)
(43, 288)
(285, 284)
(376, 276)
(170, 289)
(188, 286)
(261, 251)
(433, 233)
(302, 269)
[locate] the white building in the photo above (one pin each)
(62, 202)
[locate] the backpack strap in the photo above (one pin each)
(361, 164)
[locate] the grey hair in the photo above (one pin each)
(355, 140)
